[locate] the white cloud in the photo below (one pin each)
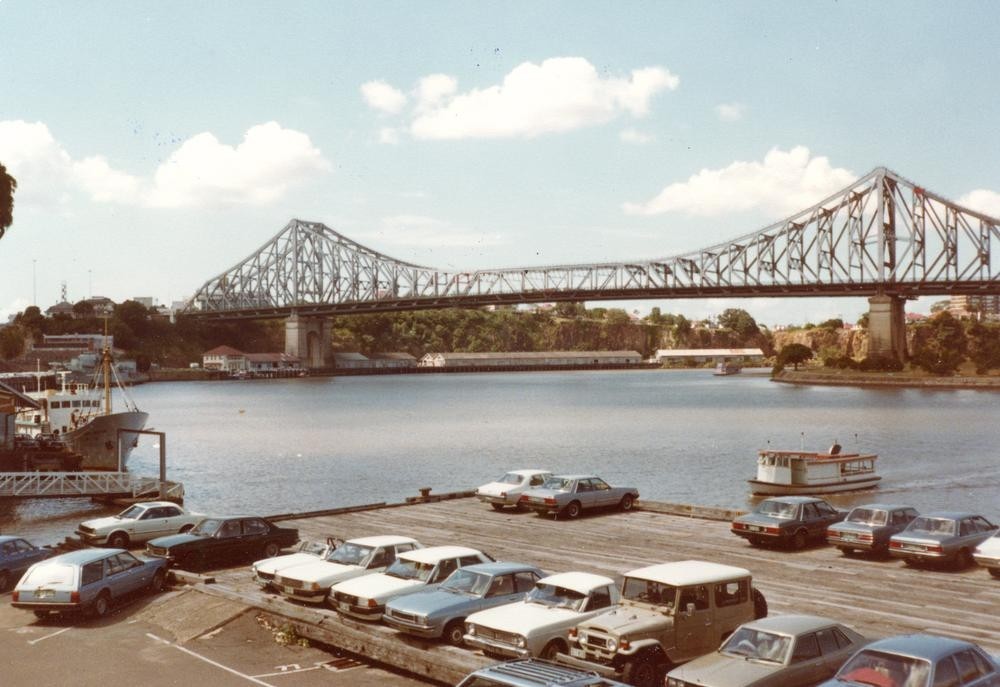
(389, 135)
(560, 94)
(982, 200)
(631, 135)
(202, 171)
(783, 183)
(730, 112)
(381, 96)
(421, 231)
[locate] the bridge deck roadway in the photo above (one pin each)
(879, 597)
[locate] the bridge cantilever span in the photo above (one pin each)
(883, 236)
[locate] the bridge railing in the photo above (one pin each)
(45, 484)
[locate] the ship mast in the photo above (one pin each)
(106, 370)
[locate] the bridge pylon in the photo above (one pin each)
(310, 340)
(887, 326)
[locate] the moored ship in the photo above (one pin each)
(781, 473)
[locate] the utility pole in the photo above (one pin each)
(34, 283)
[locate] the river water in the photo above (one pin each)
(273, 446)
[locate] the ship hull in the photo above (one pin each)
(97, 441)
(771, 489)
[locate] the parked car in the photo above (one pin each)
(789, 520)
(531, 672)
(307, 551)
(944, 537)
(222, 540)
(365, 597)
(138, 524)
(669, 613)
(539, 626)
(987, 555)
(569, 495)
(918, 661)
(869, 527)
(507, 490)
(16, 556)
(311, 582)
(782, 651)
(441, 613)
(89, 580)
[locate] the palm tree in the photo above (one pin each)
(8, 185)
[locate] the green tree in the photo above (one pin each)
(8, 185)
(11, 342)
(740, 322)
(83, 309)
(940, 346)
(983, 346)
(835, 323)
(794, 353)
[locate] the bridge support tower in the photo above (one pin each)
(309, 339)
(887, 326)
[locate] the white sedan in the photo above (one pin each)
(138, 524)
(987, 555)
(508, 489)
(307, 552)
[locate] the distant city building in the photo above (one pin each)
(61, 308)
(101, 305)
(527, 359)
(224, 358)
(146, 301)
(984, 306)
(234, 361)
(716, 355)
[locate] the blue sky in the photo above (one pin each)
(156, 144)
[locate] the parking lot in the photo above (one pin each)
(176, 638)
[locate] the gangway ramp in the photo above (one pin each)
(76, 484)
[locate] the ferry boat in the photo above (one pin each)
(726, 368)
(781, 473)
(85, 422)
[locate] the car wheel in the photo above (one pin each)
(627, 502)
(454, 632)
(118, 540)
(186, 528)
(156, 584)
(42, 615)
(101, 605)
(572, 511)
(963, 559)
(551, 649)
(911, 562)
(755, 541)
(4, 580)
(271, 549)
(497, 506)
(759, 605)
(846, 550)
(799, 540)
(643, 671)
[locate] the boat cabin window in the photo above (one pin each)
(76, 404)
(774, 461)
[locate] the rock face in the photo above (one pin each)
(850, 342)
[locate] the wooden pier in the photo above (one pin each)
(878, 597)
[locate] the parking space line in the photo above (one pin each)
(209, 661)
(57, 632)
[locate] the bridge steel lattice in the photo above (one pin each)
(881, 236)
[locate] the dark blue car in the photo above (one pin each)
(16, 556)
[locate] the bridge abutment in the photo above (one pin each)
(309, 339)
(887, 326)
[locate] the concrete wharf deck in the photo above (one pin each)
(878, 597)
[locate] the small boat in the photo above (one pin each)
(726, 368)
(802, 472)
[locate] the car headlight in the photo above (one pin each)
(314, 586)
(674, 682)
(612, 645)
(520, 642)
(583, 637)
(470, 629)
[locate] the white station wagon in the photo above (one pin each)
(508, 489)
(138, 524)
(365, 597)
(539, 626)
(311, 580)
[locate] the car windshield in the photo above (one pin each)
(648, 591)
(316, 548)
(776, 509)
(410, 570)
(464, 581)
(558, 484)
(878, 668)
(558, 597)
(206, 528)
(757, 645)
(350, 554)
(51, 574)
(132, 513)
(510, 478)
(932, 526)
(867, 516)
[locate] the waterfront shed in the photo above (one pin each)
(224, 358)
(715, 355)
(11, 401)
(393, 360)
(351, 360)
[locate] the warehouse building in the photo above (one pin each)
(531, 359)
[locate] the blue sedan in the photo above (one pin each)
(441, 612)
(918, 661)
(88, 580)
(16, 556)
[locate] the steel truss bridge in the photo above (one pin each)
(882, 235)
